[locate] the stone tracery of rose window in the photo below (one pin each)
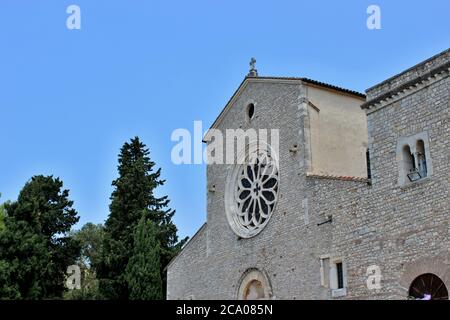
(256, 191)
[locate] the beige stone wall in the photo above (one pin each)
(338, 133)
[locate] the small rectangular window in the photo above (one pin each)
(340, 275)
(369, 172)
(333, 275)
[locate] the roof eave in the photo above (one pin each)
(244, 82)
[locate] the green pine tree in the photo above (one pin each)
(2, 216)
(35, 249)
(134, 195)
(143, 272)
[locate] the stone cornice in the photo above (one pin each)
(408, 88)
(334, 177)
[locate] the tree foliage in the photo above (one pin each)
(143, 271)
(35, 248)
(90, 238)
(133, 197)
(2, 216)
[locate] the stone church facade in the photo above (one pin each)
(357, 207)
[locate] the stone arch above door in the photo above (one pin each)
(428, 286)
(254, 285)
(436, 265)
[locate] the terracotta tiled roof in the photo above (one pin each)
(317, 83)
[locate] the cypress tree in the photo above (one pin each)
(143, 272)
(133, 196)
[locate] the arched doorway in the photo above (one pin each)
(428, 286)
(254, 285)
(254, 291)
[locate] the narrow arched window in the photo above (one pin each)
(250, 110)
(409, 165)
(414, 158)
(421, 159)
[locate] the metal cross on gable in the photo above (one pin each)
(253, 72)
(252, 64)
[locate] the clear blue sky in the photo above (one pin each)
(70, 98)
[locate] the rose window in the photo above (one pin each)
(255, 194)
